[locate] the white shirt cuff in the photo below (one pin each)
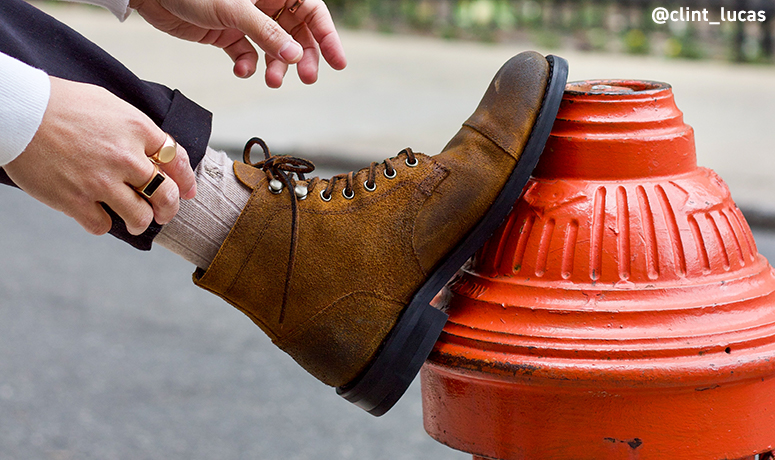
(120, 8)
(24, 94)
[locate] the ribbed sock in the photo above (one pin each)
(202, 224)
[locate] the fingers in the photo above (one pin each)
(275, 72)
(312, 27)
(301, 33)
(165, 203)
(135, 210)
(244, 56)
(237, 46)
(317, 18)
(138, 212)
(93, 219)
(264, 31)
(307, 68)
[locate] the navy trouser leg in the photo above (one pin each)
(41, 41)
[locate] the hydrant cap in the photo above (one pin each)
(618, 129)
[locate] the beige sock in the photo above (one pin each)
(202, 224)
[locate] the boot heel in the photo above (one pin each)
(402, 355)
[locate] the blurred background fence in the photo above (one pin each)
(600, 25)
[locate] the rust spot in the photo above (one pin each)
(483, 366)
(713, 387)
(634, 443)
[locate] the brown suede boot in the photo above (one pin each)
(340, 272)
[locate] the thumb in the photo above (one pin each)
(265, 32)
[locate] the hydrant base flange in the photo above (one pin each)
(596, 422)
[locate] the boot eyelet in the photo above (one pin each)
(390, 176)
(323, 196)
(412, 165)
(350, 196)
(301, 192)
(369, 189)
(275, 186)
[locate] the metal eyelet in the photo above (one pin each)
(275, 186)
(369, 189)
(391, 176)
(301, 192)
(350, 196)
(412, 165)
(323, 196)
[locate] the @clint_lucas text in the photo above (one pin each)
(662, 15)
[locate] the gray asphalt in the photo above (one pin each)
(109, 353)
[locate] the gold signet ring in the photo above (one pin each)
(153, 183)
(167, 151)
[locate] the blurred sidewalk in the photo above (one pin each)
(400, 91)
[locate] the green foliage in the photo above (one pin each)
(589, 24)
(547, 39)
(636, 42)
(596, 38)
(689, 46)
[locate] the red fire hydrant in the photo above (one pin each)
(622, 311)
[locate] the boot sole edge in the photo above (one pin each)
(410, 342)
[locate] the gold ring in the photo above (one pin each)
(153, 183)
(277, 15)
(295, 6)
(167, 151)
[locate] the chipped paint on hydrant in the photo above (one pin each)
(622, 311)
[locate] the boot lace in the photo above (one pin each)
(370, 184)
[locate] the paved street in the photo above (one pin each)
(109, 353)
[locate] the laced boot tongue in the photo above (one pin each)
(370, 183)
(279, 170)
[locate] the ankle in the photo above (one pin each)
(202, 223)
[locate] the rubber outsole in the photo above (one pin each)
(410, 342)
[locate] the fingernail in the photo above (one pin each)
(191, 193)
(291, 52)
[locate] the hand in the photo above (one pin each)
(92, 148)
(296, 38)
